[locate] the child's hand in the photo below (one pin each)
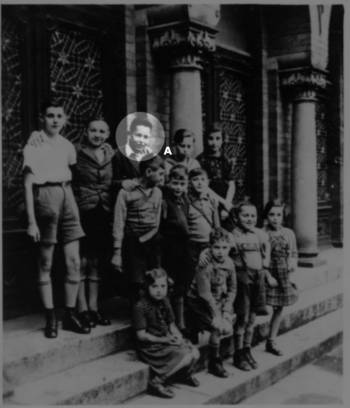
(37, 138)
(228, 206)
(224, 214)
(129, 185)
(116, 262)
(175, 339)
(33, 232)
(271, 281)
(217, 323)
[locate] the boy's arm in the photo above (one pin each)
(216, 218)
(231, 290)
(33, 230)
(120, 211)
(265, 248)
(219, 199)
(203, 287)
(230, 192)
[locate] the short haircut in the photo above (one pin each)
(51, 103)
(197, 172)
(178, 172)
(219, 234)
(276, 202)
(153, 163)
(139, 121)
(180, 135)
(244, 203)
(215, 127)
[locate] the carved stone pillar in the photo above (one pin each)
(182, 36)
(304, 87)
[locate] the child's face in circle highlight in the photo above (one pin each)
(159, 289)
(185, 148)
(215, 141)
(97, 133)
(178, 187)
(275, 217)
(220, 250)
(139, 139)
(54, 120)
(199, 183)
(247, 217)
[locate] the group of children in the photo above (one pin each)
(193, 261)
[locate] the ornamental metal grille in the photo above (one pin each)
(322, 153)
(233, 116)
(11, 116)
(75, 77)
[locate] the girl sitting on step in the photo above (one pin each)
(284, 259)
(159, 342)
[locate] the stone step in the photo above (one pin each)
(29, 356)
(111, 379)
(300, 346)
(312, 304)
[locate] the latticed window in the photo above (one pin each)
(11, 116)
(322, 153)
(75, 77)
(233, 116)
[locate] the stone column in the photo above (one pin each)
(305, 88)
(186, 103)
(182, 36)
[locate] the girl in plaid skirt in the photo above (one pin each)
(284, 257)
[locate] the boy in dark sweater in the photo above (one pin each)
(174, 230)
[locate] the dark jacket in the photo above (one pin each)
(92, 181)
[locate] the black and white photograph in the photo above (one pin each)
(173, 202)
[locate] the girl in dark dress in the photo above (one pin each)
(159, 342)
(284, 258)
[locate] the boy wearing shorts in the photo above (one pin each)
(53, 215)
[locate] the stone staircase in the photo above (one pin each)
(102, 368)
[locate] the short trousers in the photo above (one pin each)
(251, 295)
(57, 214)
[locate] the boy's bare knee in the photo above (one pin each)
(73, 265)
(195, 354)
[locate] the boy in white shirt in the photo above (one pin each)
(53, 214)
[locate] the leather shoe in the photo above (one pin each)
(248, 356)
(160, 390)
(51, 326)
(240, 362)
(98, 319)
(270, 347)
(190, 380)
(72, 323)
(216, 368)
(85, 319)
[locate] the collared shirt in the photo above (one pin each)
(51, 160)
(203, 216)
(138, 156)
(92, 179)
(215, 282)
(136, 213)
(253, 249)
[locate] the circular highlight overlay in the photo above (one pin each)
(140, 135)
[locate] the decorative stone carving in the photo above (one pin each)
(189, 39)
(305, 85)
(186, 61)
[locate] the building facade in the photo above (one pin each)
(272, 74)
